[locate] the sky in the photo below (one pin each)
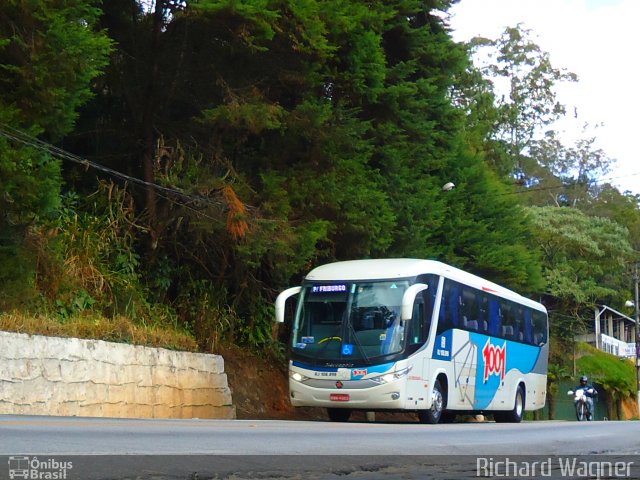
(596, 39)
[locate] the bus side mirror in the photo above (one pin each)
(282, 299)
(409, 297)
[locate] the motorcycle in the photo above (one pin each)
(580, 400)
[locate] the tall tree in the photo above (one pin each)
(565, 175)
(622, 208)
(487, 231)
(298, 133)
(582, 256)
(414, 124)
(524, 80)
(49, 55)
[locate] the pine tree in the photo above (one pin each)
(49, 54)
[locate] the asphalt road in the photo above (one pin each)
(99, 448)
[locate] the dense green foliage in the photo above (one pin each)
(604, 369)
(580, 255)
(49, 54)
(274, 136)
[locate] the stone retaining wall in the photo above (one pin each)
(74, 377)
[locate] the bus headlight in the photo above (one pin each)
(391, 377)
(388, 378)
(298, 377)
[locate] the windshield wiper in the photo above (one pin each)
(352, 332)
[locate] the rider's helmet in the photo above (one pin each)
(583, 380)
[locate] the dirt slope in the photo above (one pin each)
(259, 387)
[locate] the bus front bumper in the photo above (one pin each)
(389, 396)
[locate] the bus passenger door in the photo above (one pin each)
(417, 333)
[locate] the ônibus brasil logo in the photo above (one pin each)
(32, 468)
(495, 360)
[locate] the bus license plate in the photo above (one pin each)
(339, 397)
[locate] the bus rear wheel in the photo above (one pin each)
(514, 415)
(433, 414)
(339, 414)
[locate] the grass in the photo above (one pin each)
(96, 327)
(607, 369)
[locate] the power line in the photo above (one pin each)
(162, 191)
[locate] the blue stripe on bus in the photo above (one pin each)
(518, 356)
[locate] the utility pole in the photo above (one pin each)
(637, 315)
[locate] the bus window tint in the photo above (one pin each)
(375, 323)
(424, 303)
(539, 328)
(473, 310)
(483, 311)
(448, 307)
(453, 306)
(494, 316)
(528, 326)
(507, 326)
(519, 328)
(469, 310)
(321, 316)
(417, 329)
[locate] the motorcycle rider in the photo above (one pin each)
(589, 392)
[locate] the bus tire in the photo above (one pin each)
(339, 414)
(514, 415)
(433, 414)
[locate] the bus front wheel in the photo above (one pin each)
(433, 414)
(339, 414)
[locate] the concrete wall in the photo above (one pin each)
(69, 376)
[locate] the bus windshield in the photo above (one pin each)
(349, 322)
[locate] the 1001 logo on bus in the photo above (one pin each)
(495, 360)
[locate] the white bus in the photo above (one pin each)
(414, 335)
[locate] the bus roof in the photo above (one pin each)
(392, 268)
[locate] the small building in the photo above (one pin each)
(613, 332)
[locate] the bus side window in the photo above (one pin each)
(528, 326)
(539, 328)
(443, 314)
(429, 299)
(417, 323)
(453, 310)
(470, 309)
(442, 318)
(447, 304)
(519, 324)
(483, 312)
(494, 316)
(508, 320)
(418, 327)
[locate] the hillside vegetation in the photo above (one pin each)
(165, 173)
